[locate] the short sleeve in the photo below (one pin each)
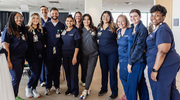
(163, 36)
(77, 35)
(5, 36)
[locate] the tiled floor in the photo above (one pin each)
(95, 87)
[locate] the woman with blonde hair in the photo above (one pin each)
(108, 51)
(123, 33)
(34, 54)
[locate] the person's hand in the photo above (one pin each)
(10, 65)
(74, 61)
(154, 76)
(129, 68)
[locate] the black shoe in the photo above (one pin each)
(75, 95)
(113, 96)
(101, 93)
(67, 92)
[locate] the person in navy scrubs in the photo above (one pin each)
(89, 48)
(108, 50)
(136, 60)
(162, 59)
(53, 55)
(14, 39)
(70, 49)
(44, 12)
(123, 33)
(44, 19)
(34, 54)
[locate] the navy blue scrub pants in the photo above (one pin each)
(16, 73)
(35, 66)
(165, 87)
(53, 64)
(71, 72)
(134, 82)
(42, 76)
(108, 63)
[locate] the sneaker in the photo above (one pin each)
(84, 94)
(58, 91)
(28, 92)
(83, 84)
(43, 84)
(19, 98)
(113, 96)
(35, 93)
(47, 92)
(101, 93)
(68, 92)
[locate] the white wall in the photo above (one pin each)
(176, 29)
(94, 8)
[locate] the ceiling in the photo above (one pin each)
(75, 5)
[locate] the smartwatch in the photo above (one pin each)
(154, 70)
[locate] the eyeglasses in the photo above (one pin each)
(19, 18)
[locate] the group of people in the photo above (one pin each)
(46, 43)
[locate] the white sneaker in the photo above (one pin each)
(28, 92)
(83, 95)
(35, 93)
(58, 91)
(43, 84)
(47, 92)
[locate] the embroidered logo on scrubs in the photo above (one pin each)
(70, 34)
(58, 34)
(64, 32)
(125, 35)
(35, 37)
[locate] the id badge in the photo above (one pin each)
(119, 35)
(23, 37)
(58, 35)
(93, 33)
(64, 32)
(35, 38)
(99, 33)
(54, 50)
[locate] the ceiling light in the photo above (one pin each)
(127, 3)
(53, 1)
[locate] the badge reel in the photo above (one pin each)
(58, 34)
(35, 37)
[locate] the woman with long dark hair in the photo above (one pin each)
(108, 50)
(14, 39)
(34, 54)
(89, 48)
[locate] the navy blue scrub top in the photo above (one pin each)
(51, 33)
(17, 46)
(122, 42)
(42, 20)
(162, 35)
(107, 41)
(35, 48)
(69, 39)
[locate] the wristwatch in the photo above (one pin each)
(154, 70)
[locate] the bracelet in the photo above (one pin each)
(154, 70)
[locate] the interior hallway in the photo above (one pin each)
(95, 88)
